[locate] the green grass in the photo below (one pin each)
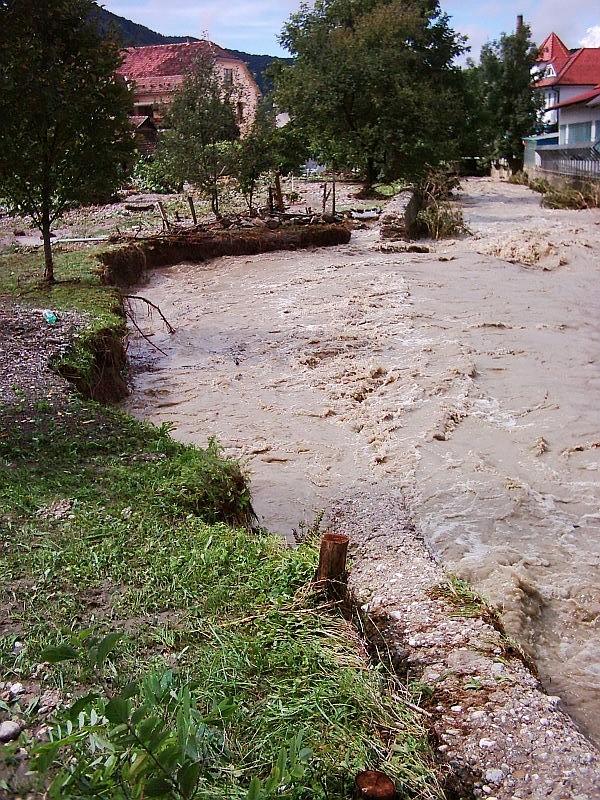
(140, 551)
(109, 525)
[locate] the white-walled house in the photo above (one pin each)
(579, 121)
(570, 83)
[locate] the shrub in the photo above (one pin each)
(148, 176)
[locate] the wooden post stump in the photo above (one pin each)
(163, 214)
(279, 194)
(331, 572)
(192, 209)
(372, 785)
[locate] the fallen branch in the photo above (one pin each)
(168, 325)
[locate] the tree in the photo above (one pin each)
(266, 148)
(64, 134)
(200, 128)
(373, 83)
(509, 105)
(255, 153)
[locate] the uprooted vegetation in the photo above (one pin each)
(438, 217)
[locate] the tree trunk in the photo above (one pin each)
(48, 260)
(214, 201)
(371, 175)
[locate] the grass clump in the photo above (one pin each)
(577, 197)
(587, 196)
(465, 601)
(439, 218)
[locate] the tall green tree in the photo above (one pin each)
(373, 83)
(509, 105)
(64, 134)
(200, 128)
(267, 148)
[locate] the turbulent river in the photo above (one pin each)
(468, 377)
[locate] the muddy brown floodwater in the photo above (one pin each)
(468, 377)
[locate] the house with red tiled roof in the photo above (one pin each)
(570, 82)
(156, 72)
(562, 74)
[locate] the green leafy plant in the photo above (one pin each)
(441, 220)
(149, 739)
(148, 176)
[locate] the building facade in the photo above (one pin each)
(156, 72)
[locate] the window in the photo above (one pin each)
(579, 133)
(562, 134)
(228, 76)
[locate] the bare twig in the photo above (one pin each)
(168, 325)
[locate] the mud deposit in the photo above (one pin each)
(467, 377)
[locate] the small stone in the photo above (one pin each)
(16, 689)
(9, 731)
(554, 700)
(487, 744)
(494, 776)
(456, 709)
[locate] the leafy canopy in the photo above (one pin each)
(504, 102)
(373, 83)
(63, 113)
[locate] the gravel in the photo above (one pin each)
(494, 727)
(28, 344)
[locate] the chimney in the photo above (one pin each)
(519, 22)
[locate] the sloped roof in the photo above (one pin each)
(589, 98)
(582, 68)
(138, 121)
(163, 60)
(553, 50)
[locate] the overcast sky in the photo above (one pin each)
(253, 25)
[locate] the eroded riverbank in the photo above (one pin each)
(467, 381)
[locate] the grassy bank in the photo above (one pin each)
(161, 647)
